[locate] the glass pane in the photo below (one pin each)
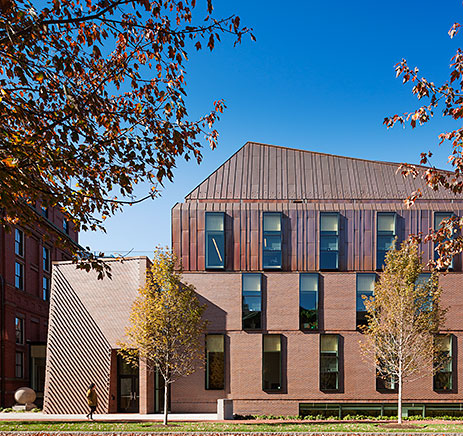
(125, 368)
(328, 260)
(251, 320)
(329, 362)
(214, 221)
(366, 282)
(251, 303)
(439, 217)
(386, 222)
(215, 249)
(423, 279)
(443, 381)
(329, 343)
(251, 282)
(272, 222)
(271, 259)
(385, 242)
(125, 393)
(329, 243)
(309, 282)
(214, 343)
(215, 370)
(308, 300)
(329, 222)
(329, 380)
(361, 301)
(272, 343)
(272, 242)
(444, 343)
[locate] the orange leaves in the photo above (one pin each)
(39, 76)
(10, 162)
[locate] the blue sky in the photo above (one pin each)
(319, 77)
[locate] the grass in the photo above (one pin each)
(383, 427)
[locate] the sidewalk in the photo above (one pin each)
(110, 417)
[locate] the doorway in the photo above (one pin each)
(128, 395)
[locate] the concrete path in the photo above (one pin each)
(14, 416)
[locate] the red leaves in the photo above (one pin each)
(454, 30)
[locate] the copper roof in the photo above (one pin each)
(269, 172)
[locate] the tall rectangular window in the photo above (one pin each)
(19, 364)
(19, 275)
(215, 240)
(19, 242)
(19, 325)
(215, 362)
(252, 301)
(271, 251)
(329, 362)
(365, 287)
(46, 259)
(308, 301)
(385, 234)
(45, 288)
(329, 240)
(443, 378)
(65, 226)
(271, 363)
(439, 217)
(44, 211)
(384, 382)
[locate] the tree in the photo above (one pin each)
(449, 97)
(166, 326)
(92, 102)
(403, 318)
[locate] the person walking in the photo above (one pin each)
(92, 400)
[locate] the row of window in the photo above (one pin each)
(386, 232)
(251, 293)
(329, 358)
(19, 277)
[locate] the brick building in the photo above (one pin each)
(25, 280)
(281, 244)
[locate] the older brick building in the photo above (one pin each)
(25, 280)
(281, 244)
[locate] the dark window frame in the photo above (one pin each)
(243, 298)
(359, 319)
(20, 330)
(451, 373)
(338, 373)
(267, 233)
(317, 309)
(46, 291)
(207, 382)
(322, 265)
(381, 254)
(20, 365)
(280, 381)
(19, 279)
(436, 254)
(216, 233)
(46, 259)
(19, 242)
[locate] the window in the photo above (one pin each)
(438, 218)
(19, 364)
(252, 301)
(215, 240)
(44, 211)
(66, 226)
(19, 242)
(384, 382)
(329, 240)
(272, 240)
(271, 363)
(215, 362)
(386, 232)
(19, 324)
(365, 287)
(329, 362)
(46, 259)
(423, 280)
(308, 301)
(443, 378)
(19, 275)
(46, 288)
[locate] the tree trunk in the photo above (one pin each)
(399, 400)
(166, 386)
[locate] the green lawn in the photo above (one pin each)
(418, 427)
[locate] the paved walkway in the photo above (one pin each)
(15, 416)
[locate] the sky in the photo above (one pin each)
(319, 77)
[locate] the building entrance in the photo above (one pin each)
(128, 396)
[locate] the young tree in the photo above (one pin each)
(449, 97)
(403, 318)
(92, 102)
(166, 326)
